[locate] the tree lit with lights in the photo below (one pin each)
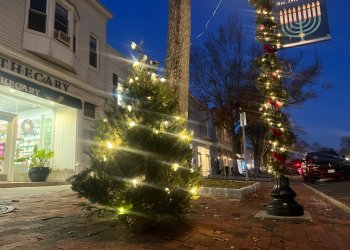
(141, 157)
(280, 136)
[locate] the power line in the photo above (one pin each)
(200, 34)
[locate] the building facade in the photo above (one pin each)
(212, 146)
(201, 143)
(56, 73)
(223, 144)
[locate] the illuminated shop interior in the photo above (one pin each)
(27, 121)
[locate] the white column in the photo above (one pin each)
(65, 139)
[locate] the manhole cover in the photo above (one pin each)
(5, 209)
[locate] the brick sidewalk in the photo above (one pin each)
(55, 222)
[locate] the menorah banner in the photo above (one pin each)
(301, 21)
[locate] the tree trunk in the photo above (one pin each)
(258, 133)
(178, 51)
(257, 156)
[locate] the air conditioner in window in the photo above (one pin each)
(62, 37)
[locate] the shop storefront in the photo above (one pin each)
(35, 110)
(225, 161)
(203, 155)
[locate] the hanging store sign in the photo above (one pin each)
(301, 21)
(30, 73)
(32, 88)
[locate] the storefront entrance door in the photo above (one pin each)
(8, 127)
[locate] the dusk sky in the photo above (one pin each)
(325, 119)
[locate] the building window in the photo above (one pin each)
(61, 25)
(204, 160)
(93, 51)
(89, 110)
(61, 19)
(37, 15)
(203, 128)
(220, 133)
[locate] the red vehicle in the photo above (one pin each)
(321, 164)
(294, 166)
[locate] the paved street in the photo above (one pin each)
(52, 220)
(338, 189)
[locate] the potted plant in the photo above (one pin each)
(37, 170)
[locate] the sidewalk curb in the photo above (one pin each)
(230, 192)
(262, 215)
(336, 203)
(241, 178)
(30, 184)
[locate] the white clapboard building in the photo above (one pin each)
(56, 73)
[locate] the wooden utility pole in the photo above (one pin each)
(178, 51)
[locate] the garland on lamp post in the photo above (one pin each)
(280, 137)
(269, 84)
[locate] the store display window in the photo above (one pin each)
(33, 130)
(40, 123)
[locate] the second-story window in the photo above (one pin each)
(37, 16)
(93, 51)
(225, 135)
(61, 19)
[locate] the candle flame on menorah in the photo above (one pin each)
(301, 21)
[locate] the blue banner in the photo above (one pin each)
(301, 21)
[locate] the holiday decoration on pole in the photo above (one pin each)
(269, 84)
(301, 22)
(141, 157)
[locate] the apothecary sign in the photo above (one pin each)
(17, 83)
(301, 21)
(21, 77)
(29, 73)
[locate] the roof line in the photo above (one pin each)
(101, 8)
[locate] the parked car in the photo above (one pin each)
(294, 166)
(346, 168)
(322, 164)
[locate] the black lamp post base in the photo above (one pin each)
(283, 203)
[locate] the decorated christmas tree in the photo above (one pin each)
(141, 157)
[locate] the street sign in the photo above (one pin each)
(301, 21)
(243, 119)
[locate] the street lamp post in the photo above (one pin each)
(243, 122)
(269, 84)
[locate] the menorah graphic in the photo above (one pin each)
(301, 21)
